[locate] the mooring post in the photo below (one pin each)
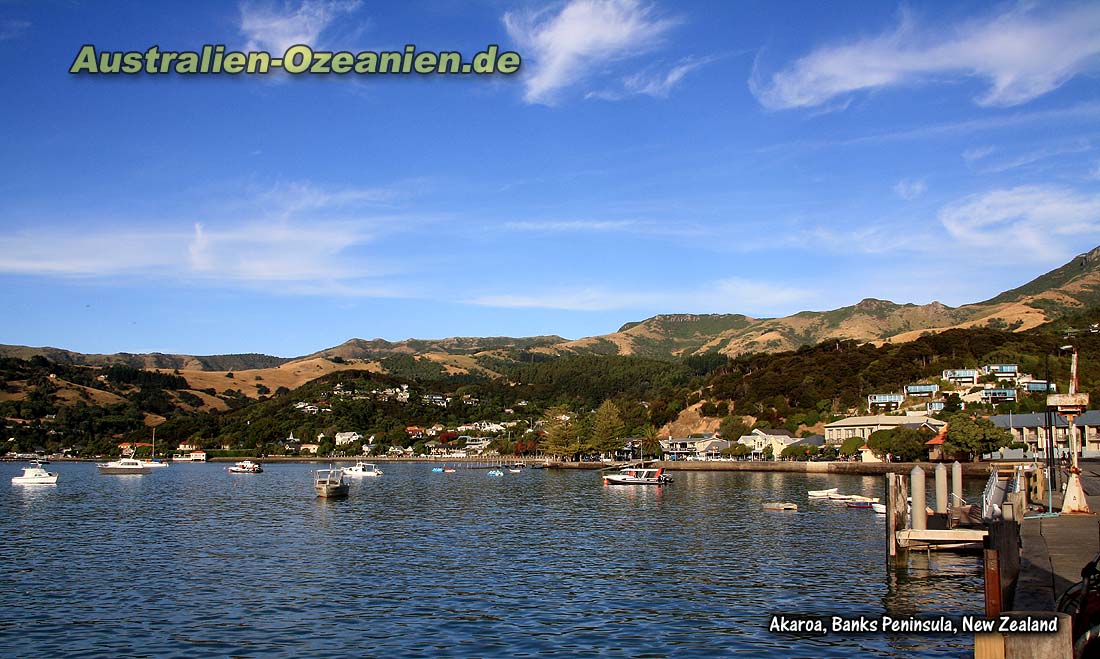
(941, 488)
(956, 487)
(920, 500)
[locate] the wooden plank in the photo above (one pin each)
(907, 536)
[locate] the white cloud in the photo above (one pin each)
(276, 28)
(571, 226)
(660, 84)
(586, 34)
(1039, 222)
(12, 28)
(909, 189)
(1036, 155)
(976, 153)
(1022, 54)
(732, 295)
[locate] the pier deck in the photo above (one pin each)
(1054, 549)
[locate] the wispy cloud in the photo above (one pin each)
(567, 45)
(976, 153)
(909, 189)
(719, 296)
(277, 27)
(12, 28)
(1080, 113)
(1042, 222)
(285, 233)
(571, 226)
(655, 82)
(1022, 54)
(1036, 155)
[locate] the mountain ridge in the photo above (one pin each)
(1045, 298)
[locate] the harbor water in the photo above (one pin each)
(193, 561)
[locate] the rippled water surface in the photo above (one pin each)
(192, 561)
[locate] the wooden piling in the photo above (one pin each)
(919, 512)
(941, 489)
(896, 555)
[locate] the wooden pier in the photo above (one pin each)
(1018, 554)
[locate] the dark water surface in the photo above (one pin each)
(192, 561)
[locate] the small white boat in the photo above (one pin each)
(152, 461)
(246, 467)
(780, 505)
(123, 466)
(879, 508)
(34, 474)
(495, 472)
(637, 476)
(363, 469)
(330, 483)
(821, 494)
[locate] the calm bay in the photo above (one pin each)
(192, 561)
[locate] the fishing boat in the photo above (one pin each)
(363, 469)
(821, 494)
(637, 476)
(124, 466)
(780, 505)
(879, 508)
(34, 474)
(247, 467)
(330, 483)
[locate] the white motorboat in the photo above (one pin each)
(246, 467)
(123, 466)
(637, 476)
(879, 508)
(34, 474)
(330, 483)
(780, 505)
(363, 469)
(821, 494)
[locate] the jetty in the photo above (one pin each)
(1031, 554)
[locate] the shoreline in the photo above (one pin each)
(970, 469)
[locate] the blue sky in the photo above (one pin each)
(649, 157)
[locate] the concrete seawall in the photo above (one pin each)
(970, 469)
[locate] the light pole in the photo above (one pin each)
(1071, 405)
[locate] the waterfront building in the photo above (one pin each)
(1032, 429)
(862, 426)
(760, 439)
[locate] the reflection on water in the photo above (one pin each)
(192, 561)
